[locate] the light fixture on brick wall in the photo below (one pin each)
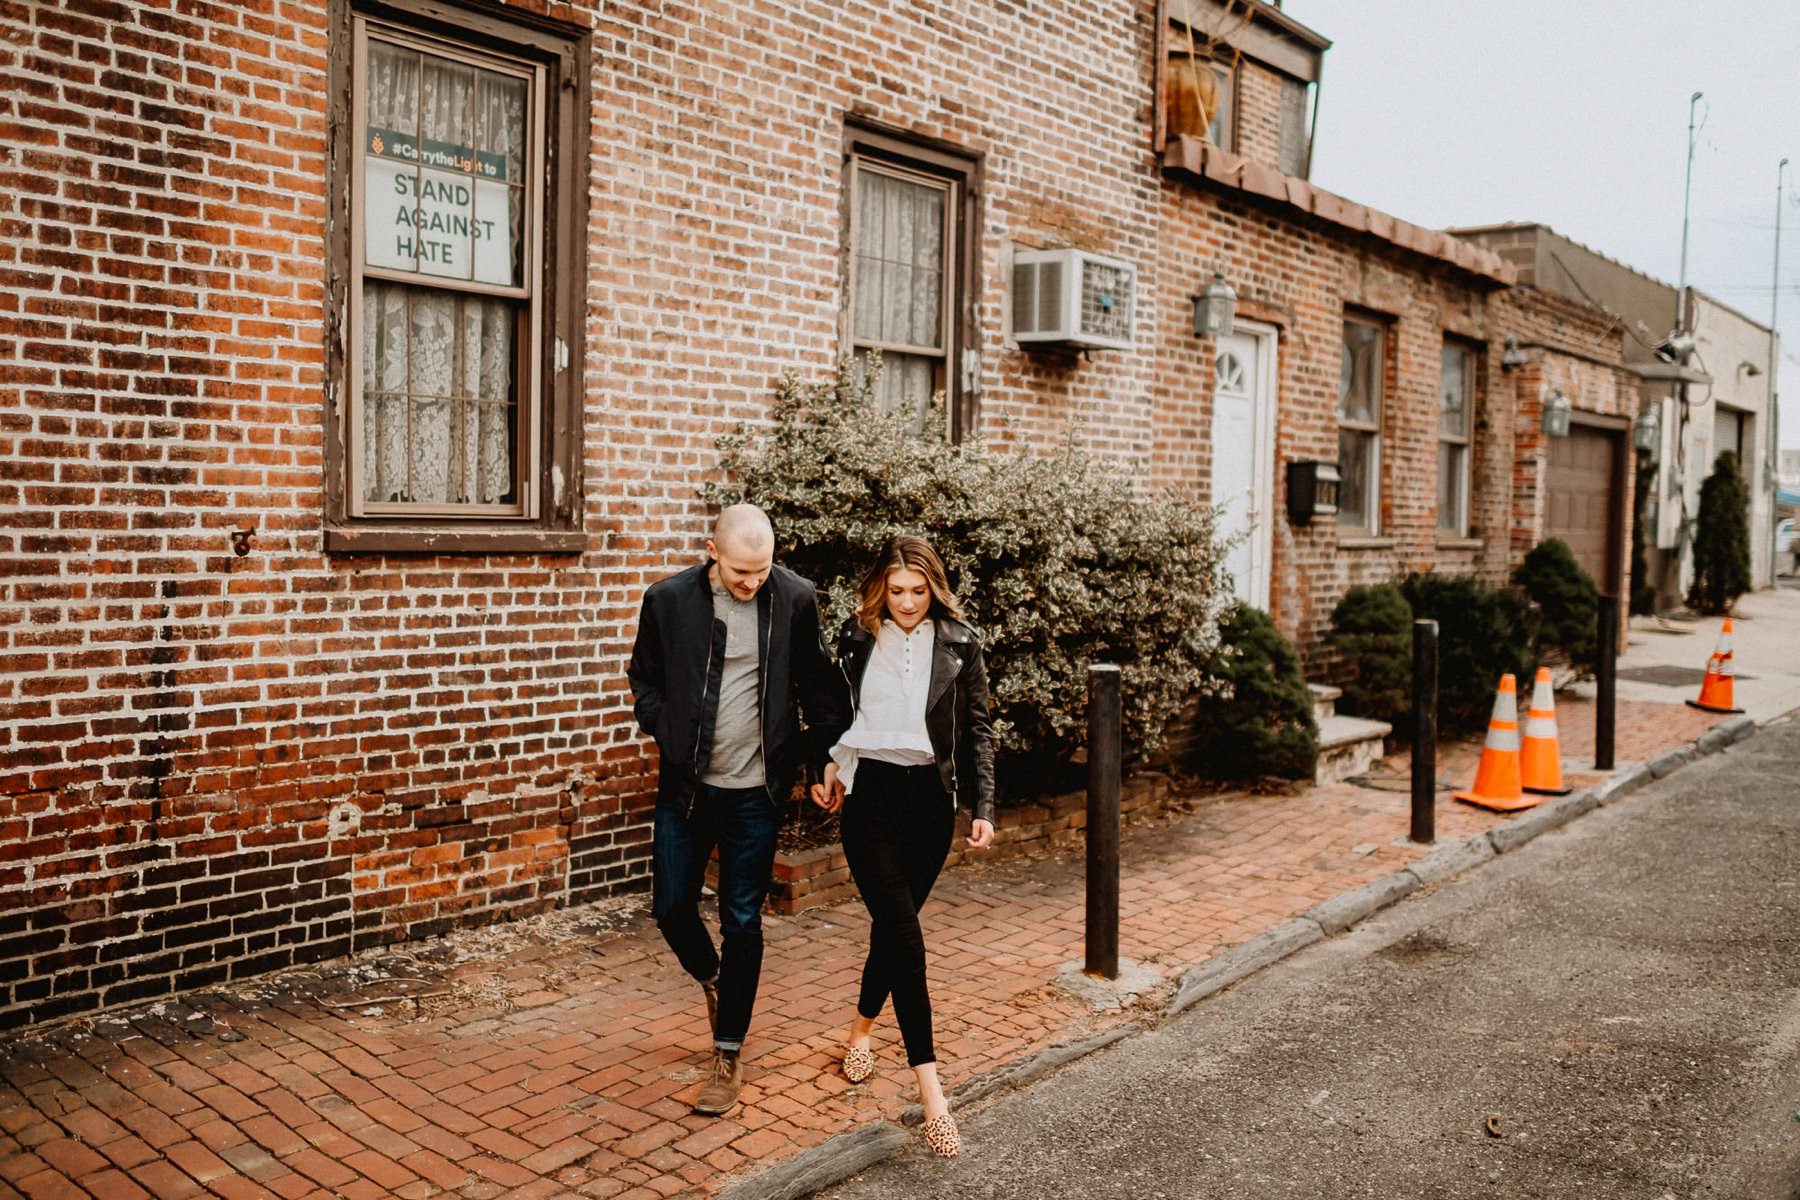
(1556, 413)
(1514, 356)
(1214, 308)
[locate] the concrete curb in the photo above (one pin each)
(1347, 908)
(1228, 966)
(1670, 760)
(830, 1162)
(1453, 858)
(860, 1149)
(1551, 815)
(1623, 783)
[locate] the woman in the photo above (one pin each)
(921, 740)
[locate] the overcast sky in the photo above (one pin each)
(1574, 114)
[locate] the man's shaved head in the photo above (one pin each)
(742, 548)
(743, 529)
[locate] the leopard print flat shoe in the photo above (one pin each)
(859, 1063)
(940, 1135)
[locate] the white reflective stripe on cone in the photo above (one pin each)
(1502, 739)
(1540, 727)
(1724, 666)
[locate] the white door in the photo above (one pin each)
(1242, 449)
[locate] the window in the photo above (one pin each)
(1294, 131)
(1359, 426)
(1222, 131)
(1456, 411)
(909, 258)
(455, 364)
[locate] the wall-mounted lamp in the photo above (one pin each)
(1676, 347)
(1556, 413)
(1514, 355)
(1214, 308)
(1646, 431)
(1750, 369)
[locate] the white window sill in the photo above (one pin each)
(1364, 542)
(1459, 543)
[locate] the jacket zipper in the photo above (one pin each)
(700, 725)
(762, 702)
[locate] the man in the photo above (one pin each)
(727, 654)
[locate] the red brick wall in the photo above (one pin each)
(1579, 350)
(218, 763)
(1292, 273)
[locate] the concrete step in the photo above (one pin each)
(1348, 746)
(1325, 698)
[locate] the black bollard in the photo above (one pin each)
(1425, 724)
(1103, 755)
(1606, 682)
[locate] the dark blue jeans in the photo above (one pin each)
(742, 824)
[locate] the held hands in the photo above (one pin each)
(829, 795)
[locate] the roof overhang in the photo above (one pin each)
(1666, 372)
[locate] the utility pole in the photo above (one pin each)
(1687, 191)
(1772, 426)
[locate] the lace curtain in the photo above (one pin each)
(899, 284)
(439, 366)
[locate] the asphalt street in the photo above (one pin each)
(1610, 1011)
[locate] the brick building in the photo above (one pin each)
(361, 362)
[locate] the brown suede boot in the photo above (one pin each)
(723, 1082)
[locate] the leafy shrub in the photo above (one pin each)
(1059, 563)
(1259, 721)
(1722, 539)
(1372, 628)
(1484, 632)
(1567, 600)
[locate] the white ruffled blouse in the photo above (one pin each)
(890, 715)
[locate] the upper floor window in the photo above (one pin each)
(1359, 426)
(454, 351)
(1456, 414)
(1198, 98)
(1296, 134)
(910, 254)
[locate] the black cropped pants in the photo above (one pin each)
(896, 829)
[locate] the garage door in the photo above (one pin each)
(1586, 500)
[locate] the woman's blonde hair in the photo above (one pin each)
(905, 552)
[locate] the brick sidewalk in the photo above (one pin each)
(558, 1054)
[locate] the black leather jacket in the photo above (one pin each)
(956, 707)
(678, 662)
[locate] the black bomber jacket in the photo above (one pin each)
(956, 707)
(678, 661)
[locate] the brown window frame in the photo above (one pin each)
(548, 512)
(1472, 359)
(1373, 430)
(895, 153)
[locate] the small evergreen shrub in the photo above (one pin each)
(1483, 632)
(1722, 539)
(1058, 562)
(1372, 628)
(1259, 721)
(1643, 595)
(1567, 600)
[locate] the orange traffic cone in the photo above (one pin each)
(1497, 778)
(1715, 689)
(1540, 759)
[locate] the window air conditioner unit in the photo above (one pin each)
(1072, 298)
